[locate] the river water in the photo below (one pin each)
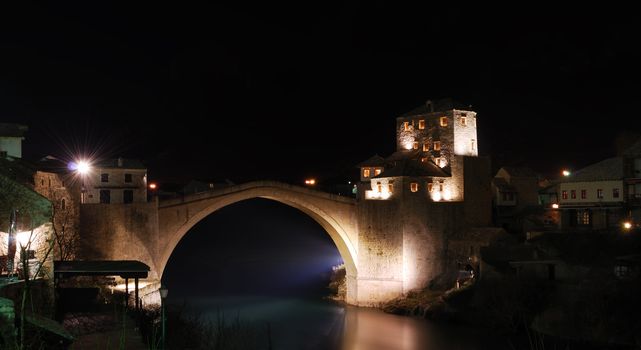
(318, 324)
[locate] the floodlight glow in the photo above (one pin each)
(23, 238)
(566, 172)
(555, 206)
(82, 167)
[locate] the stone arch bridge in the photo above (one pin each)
(382, 261)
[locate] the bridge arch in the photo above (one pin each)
(334, 213)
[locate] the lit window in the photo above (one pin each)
(463, 121)
(443, 121)
(615, 193)
(473, 145)
(104, 177)
(429, 187)
(583, 217)
(128, 177)
(437, 145)
(440, 186)
(564, 194)
(415, 145)
(573, 194)
(437, 161)
(365, 172)
(390, 188)
(406, 126)
(377, 171)
(599, 193)
(414, 186)
(621, 271)
(421, 124)
(584, 194)
(379, 187)
(426, 146)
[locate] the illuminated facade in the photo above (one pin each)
(439, 136)
(117, 181)
(431, 189)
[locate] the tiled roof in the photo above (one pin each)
(414, 168)
(517, 171)
(373, 161)
(440, 105)
(12, 130)
(402, 155)
(126, 163)
(608, 169)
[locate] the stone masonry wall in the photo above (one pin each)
(120, 232)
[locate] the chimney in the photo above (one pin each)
(120, 162)
(429, 105)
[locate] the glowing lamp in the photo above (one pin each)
(23, 238)
(627, 225)
(436, 196)
(82, 167)
(566, 172)
(153, 186)
(555, 206)
(310, 182)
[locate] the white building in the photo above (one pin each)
(11, 136)
(118, 180)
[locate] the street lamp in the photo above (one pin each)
(82, 167)
(163, 294)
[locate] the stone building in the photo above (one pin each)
(115, 181)
(434, 186)
(53, 180)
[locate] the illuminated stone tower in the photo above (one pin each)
(413, 201)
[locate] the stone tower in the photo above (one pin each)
(411, 202)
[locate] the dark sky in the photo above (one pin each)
(308, 88)
(284, 91)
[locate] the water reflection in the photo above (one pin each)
(307, 324)
(366, 329)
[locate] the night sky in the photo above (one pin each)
(290, 90)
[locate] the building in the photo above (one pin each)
(25, 226)
(435, 134)
(435, 187)
(514, 197)
(115, 181)
(600, 196)
(53, 180)
(11, 136)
